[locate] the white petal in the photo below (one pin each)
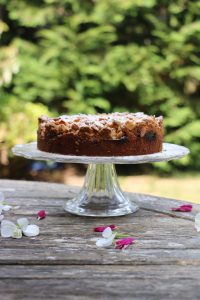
(103, 243)
(1, 217)
(197, 222)
(7, 228)
(16, 207)
(8, 223)
(17, 233)
(23, 223)
(2, 197)
(107, 232)
(7, 207)
(31, 230)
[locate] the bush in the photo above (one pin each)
(92, 56)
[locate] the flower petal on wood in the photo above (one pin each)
(31, 230)
(2, 197)
(107, 232)
(105, 242)
(102, 228)
(197, 222)
(41, 214)
(124, 243)
(7, 207)
(183, 208)
(7, 228)
(23, 223)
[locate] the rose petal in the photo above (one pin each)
(7, 228)
(197, 222)
(102, 228)
(183, 208)
(41, 214)
(23, 223)
(17, 233)
(103, 243)
(1, 217)
(124, 243)
(31, 230)
(107, 232)
(7, 207)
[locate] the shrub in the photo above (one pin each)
(92, 56)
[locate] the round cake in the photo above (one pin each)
(114, 134)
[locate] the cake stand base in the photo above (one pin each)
(100, 195)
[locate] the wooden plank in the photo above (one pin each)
(149, 234)
(63, 262)
(89, 282)
(64, 256)
(162, 238)
(62, 241)
(101, 282)
(99, 271)
(36, 192)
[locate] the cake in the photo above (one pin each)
(114, 134)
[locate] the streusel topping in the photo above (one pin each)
(101, 126)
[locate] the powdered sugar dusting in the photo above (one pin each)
(110, 126)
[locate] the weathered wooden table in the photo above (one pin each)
(63, 262)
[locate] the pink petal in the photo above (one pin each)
(124, 243)
(183, 208)
(102, 228)
(41, 214)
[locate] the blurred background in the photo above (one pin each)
(92, 56)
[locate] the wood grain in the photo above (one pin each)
(64, 263)
(101, 282)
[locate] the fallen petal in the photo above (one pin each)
(23, 223)
(16, 207)
(197, 222)
(102, 228)
(31, 230)
(183, 208)
(41, 214)
(124, 243)
(2, 197)
(7, 207)
(8, 223)
(107, 232)
(7, 228)
(103, 243)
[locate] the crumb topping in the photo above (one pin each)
(100, 126)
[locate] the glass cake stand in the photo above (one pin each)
(101, 195)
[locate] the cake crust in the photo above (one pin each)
(116, 134)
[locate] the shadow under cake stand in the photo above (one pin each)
(101, 195)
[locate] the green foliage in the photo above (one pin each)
(18, 121)
(91, 56)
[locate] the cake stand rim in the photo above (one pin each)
(165, 155)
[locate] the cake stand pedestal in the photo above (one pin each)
(101, 195)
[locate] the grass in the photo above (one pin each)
(185, 189)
